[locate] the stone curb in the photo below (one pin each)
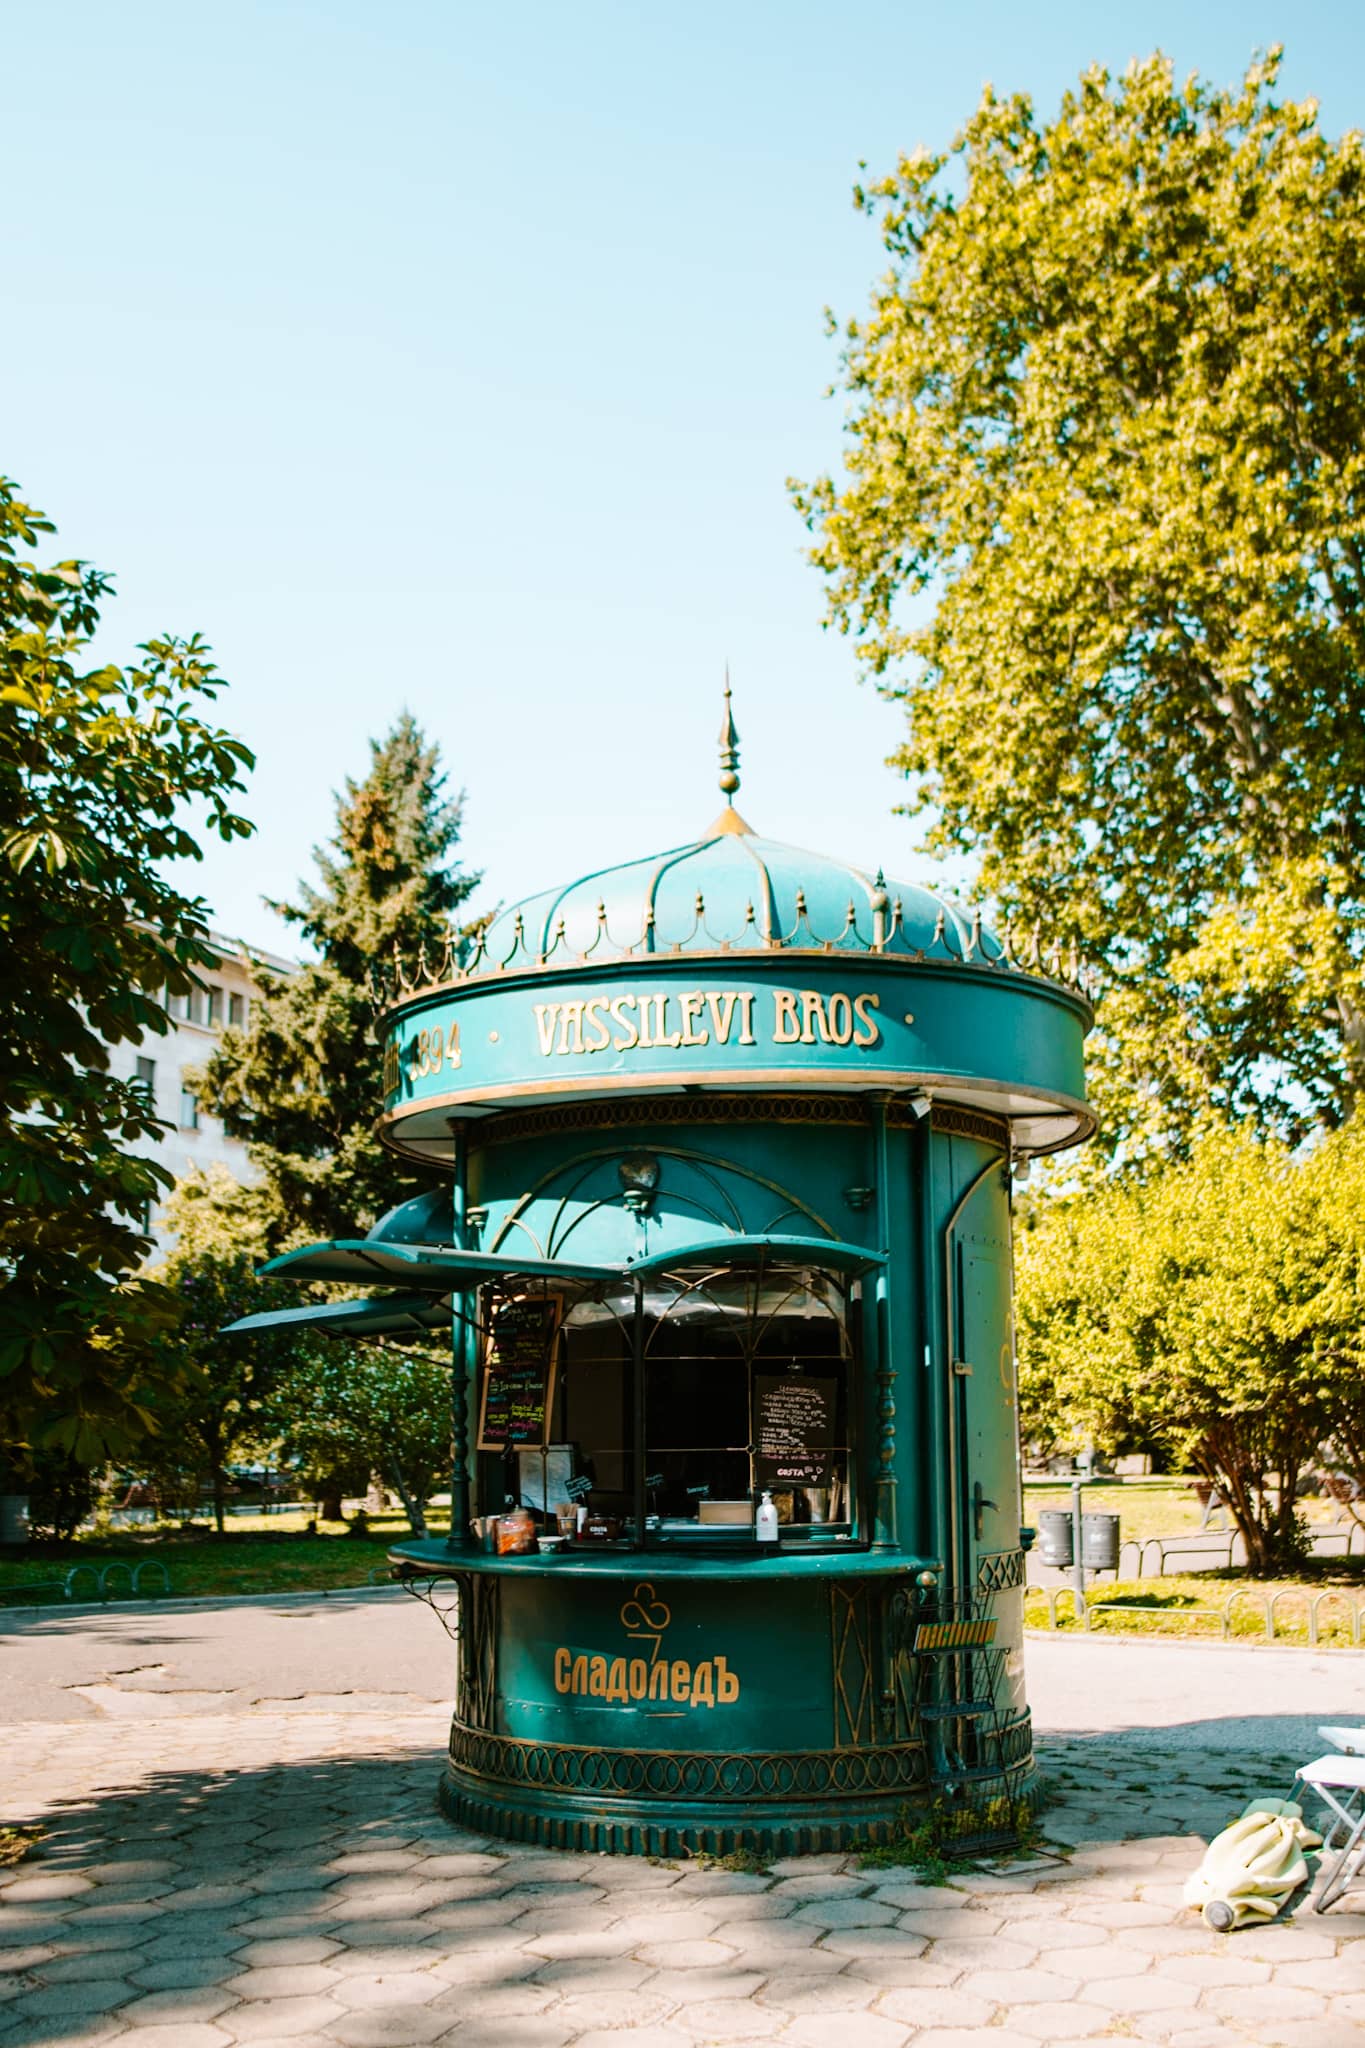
(1136, 1639)
(178, 1604)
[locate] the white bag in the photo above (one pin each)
(1253, 1866)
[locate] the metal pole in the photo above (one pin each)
(1077, 1567)
(460, 1537)
(638, 1401)
(884, 1469)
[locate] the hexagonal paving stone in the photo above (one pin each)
(294, 1948)
(735, 2019)
(175, 2034)
(267, 2018)
(22, 1891)
(969, 2037)
(1254, 2004)
(387, 1987)
(1020, 1987)
(1134, 1995)
(951, 1926)
(845, 1913)
(592, 1973)
(1068, 2020)
(1098, 1962)
(928, 2006)
(855, 2029)
(539, 2031)
(984, 1952)
(639, 1928)
(101, 1995)
(874, 1941)
(827, 1885)
(401, 2026)
(640, 2037)
(286, 1980)
(830, 1992)
(625, 2010)
(685, 1955)
(703, 1987)
(160, 2008)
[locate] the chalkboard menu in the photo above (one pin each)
(518, 1373)
(794, 1428)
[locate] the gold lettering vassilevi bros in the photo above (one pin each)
(695, 1017)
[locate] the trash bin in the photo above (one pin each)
(1100, 1542)
(1054, 1538)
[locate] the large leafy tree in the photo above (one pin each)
(1213, 1308)
(97, 764)
(225, 1404)
(303, 1086)
(350, 1411)
(1101, 528)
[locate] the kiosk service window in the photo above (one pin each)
(723, 1384)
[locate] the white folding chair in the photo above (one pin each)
(1339, 1782)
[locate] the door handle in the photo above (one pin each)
(979, 1506)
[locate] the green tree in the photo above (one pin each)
(1214, 1308)
(1101, 529)
(225, 1408)
(302, 1087)
(96, 766)
(350, 1410)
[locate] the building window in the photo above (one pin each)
(189, 1110)
(144, 1074)
(237, 1012)
(198, 1008)
(179, 1007)
(215, 1010)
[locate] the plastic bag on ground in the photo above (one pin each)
(1253, 1866)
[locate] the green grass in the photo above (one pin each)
(258, 1554)
(1180, 1606)
(1148, 1507)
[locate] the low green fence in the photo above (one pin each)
(1290, 1614)
(103, 1582)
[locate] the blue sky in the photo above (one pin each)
(455, 357)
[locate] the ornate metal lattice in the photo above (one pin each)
(689, 1774)
(1000, 1571)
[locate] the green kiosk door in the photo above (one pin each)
(989, 1502)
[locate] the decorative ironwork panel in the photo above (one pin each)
(1000, 1571)
(688, 1774)
(957, 1122)
(852, 1626)
(478, 1674)
(641, 1112)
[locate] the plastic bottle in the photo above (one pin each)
(765, 1521)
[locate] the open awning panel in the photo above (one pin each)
(438, 1267)
(733, 1250)
(394, 1315)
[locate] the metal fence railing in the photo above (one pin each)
(89, 1582)
(1290, 1614)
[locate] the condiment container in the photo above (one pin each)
(516, 1533)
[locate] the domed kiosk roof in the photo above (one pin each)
(732, 962)
(730, 889)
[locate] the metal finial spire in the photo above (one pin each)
(729, 819)
(729, 745)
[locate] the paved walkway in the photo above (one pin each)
(276, 1873)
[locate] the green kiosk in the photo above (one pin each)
(722, 1143)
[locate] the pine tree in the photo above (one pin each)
(302, 1086)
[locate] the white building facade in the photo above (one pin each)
(227, 993)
